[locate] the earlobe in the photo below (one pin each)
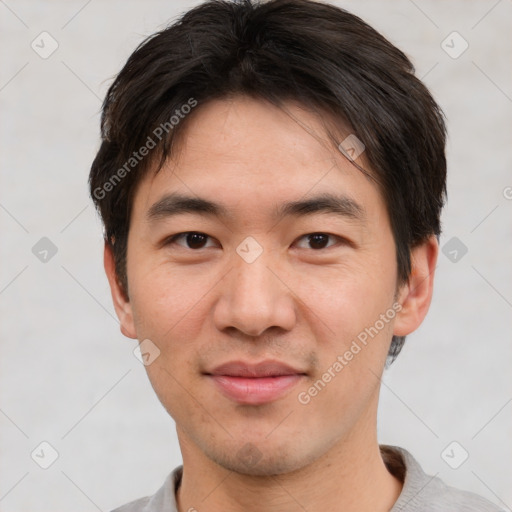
(121, 303)
(415, 295)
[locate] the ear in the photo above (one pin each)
(121, 303)
(415, 296)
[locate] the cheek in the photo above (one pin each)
(346, 300)
(347, 378)
(344, 399)
(170, 385)
(352, 317)
(166, 299)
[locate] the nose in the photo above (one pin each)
(254, 297)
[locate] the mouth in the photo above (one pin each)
(255, 384)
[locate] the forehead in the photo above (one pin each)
(250, 155)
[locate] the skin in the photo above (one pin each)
(295, 303)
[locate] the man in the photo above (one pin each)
(271, 178)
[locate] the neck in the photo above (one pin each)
(351, 477)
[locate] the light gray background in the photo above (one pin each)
(70, 378)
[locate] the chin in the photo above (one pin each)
(260, 460)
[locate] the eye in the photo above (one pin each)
(192, 240)
(318, 241)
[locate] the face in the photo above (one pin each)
(259, 315)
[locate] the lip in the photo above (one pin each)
(255, 384)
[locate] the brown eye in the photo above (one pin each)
(318, 241)
(196, 240)
(193, 240)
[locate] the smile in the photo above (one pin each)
(255, 384)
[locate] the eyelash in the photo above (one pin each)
(172, 240)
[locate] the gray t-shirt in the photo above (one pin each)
(420, 492)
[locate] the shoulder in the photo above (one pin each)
(427, 493)
(134, 506)
(164, 500)
(443, 497)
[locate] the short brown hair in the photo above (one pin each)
(302, 50)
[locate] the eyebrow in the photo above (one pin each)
(177, 204)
